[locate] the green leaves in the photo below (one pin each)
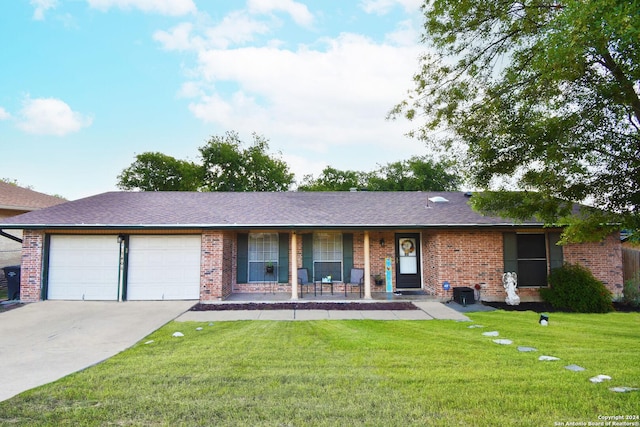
(153, 171)
(229, 167)
(544, 96)
(415, 174)
(226, 166)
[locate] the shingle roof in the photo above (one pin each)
(278, 209)
(18, 198)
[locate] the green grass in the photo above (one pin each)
(344, 373)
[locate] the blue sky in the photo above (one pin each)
(85, 85)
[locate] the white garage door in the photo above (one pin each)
(163, 268)
(83, 268)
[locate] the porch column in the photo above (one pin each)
(367, 267)
(294, 265)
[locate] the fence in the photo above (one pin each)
(630, 262)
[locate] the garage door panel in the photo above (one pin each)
(164, 268)
(83, 267)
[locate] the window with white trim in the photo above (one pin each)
(327, 256)
(263, 257)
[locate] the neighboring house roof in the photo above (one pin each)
(15, 198)
(261, 210)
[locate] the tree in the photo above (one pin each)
(332, 179)
(542, 94)
(415, 174)
(153, 171)
(229, 167)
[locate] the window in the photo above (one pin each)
(263, 257)
(531, 255)
(327, 256)
(532, 260)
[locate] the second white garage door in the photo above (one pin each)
(164, 268)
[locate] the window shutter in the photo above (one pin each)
(555, 251)
(242, 274)
(347, 256)
(510, 252)
(283, 258)
(307, 253)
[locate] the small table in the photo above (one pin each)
(326, 281)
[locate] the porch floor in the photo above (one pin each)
(328, 297)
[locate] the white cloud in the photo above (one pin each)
(50, 116)
(315, 99)
(41, 6)
(177, 38)
(326, 101)
(298, 11)
(237, 28)
(4, 114)
(163, 7)
(405, 35)
(381, 7)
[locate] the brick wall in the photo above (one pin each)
(216, 265)
(604, 259)
(467, 258)
(31, 265)
(464, 259)
(377, 254)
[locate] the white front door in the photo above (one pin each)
(163, 268)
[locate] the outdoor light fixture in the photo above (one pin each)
(120, 238)
(382, 242)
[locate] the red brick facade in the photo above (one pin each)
(462, 257)
(216, 265)
(604, 259)
(31, 269)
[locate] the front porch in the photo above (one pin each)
(266, 297)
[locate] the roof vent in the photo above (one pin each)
(438, 199)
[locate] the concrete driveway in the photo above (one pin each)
(45, 341)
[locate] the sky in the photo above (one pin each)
(86, 85)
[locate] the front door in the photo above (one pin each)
(408, 261)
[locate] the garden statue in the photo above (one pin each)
(510, 283)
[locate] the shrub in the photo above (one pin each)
(631, 291)
(574, 288)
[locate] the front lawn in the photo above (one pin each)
(344, 373)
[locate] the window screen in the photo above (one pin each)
(532, 260)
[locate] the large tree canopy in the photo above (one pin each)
(415, 174)
(153, 171)
(541, 94)
(226, 166)
(230, 167)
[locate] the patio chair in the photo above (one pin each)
(355, 279)
(303, 280)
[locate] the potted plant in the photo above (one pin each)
(269, 268)
(378, 279)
